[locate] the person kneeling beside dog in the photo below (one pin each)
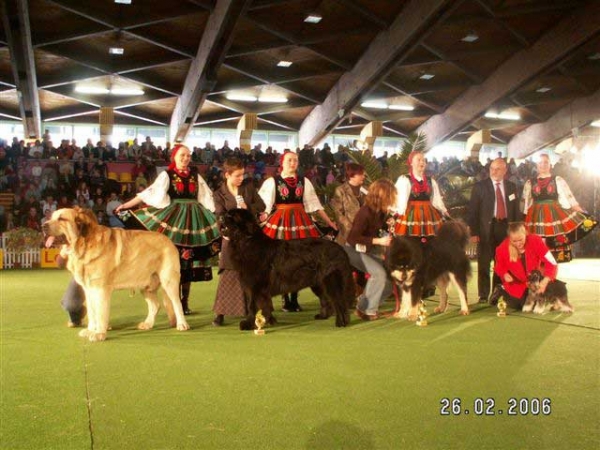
(516, 257)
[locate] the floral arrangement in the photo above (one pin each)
(22, 239)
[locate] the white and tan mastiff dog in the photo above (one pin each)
(103, 259)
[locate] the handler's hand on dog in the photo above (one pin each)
(508, 278)
(474, 239)
(543, 285)
(384, 241)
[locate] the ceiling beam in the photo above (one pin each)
(68, 112)
(268, 4)
(202, 75)
(15, 19)
(278, 124)
(143, 115)
(577, 114)
(375, 64)
(70, 35)
(570, 33)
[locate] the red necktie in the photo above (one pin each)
(500, 206)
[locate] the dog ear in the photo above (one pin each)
(85, 221)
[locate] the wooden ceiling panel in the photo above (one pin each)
(182, 32)
(10, 100)
(50, 101)
(6, 74)
(160, 108)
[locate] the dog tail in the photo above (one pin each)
(454, 230)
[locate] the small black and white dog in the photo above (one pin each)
(555, 295)
(440, 262)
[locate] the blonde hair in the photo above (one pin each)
(515, 228)
(382, 195)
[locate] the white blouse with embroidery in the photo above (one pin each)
(566, 199)
(309, 199)
(156, 194)
(403, 188)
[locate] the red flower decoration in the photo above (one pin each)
(423, 240)
(179, 186)
(285, 191)
(549, 189)
(186, 254)
(299, 191)
(192, 187)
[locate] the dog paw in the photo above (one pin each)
(321, 317)
(464, 312)
(412, 317)
(85, 333)
(538, 310)
(144, 326)
(97, 337)
(183, 326)
(440, 309)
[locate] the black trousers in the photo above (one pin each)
(487, 252)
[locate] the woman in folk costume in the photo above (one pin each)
(553, 212)
(290, 199)
(419, 205)
(234, 193)
(180, 206)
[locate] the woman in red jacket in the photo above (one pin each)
(516, 257)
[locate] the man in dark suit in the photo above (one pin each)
(494, 203)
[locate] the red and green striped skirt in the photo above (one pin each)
(559, 226)
(420, 219)
(290, 221)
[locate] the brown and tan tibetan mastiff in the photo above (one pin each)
(271, 267)
(103, 259)
(442, 261)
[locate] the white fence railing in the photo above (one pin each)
(19, 260)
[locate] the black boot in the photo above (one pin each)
(185, 294)
(287, 306)
(295, 307)
(219, 318)
(496, 294)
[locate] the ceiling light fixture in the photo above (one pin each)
(426, 76)
(126, 91)
(471, 37)
(283, 63)
(123, 2)
(272, 99)
(594, 56)
(503, 116)
(241, 97)
(374, 105)
(313, 18)
(596, 124)
(402, 107)
(116, 50)
(382, 105)
(543, 90)
(91, 90)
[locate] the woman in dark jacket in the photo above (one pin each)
(234, 193)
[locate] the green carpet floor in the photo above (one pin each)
(304, 385)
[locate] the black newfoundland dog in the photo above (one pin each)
(270, 267)
(441, 262)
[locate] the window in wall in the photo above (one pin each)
(59, 132)
(9, 130)
(123, 134)
(81, 133)
(281, 141)
(157, 134)
(220, 136)
(198, 137)
(260, 137)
